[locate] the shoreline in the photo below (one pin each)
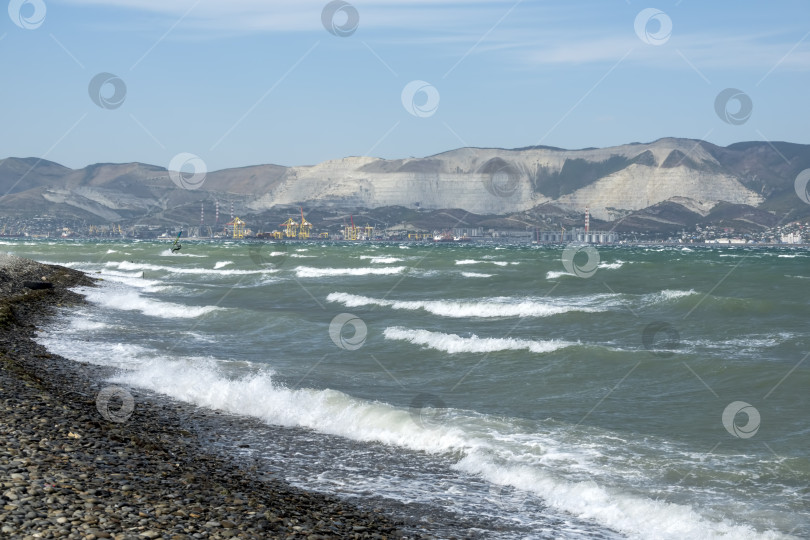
(68, 471)
(472, 242)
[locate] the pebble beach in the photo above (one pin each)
(69, 471)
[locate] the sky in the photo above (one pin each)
(249, 82)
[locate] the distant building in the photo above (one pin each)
(471, 232)
(577, 235)
(792, 238)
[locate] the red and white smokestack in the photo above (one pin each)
(587, 219)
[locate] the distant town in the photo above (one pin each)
(51, 227)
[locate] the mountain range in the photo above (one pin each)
(665, 185)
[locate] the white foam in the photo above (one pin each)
(82, 324)
(126, 265)
(168, 253)
(222, 264)
(132, 280)
(553, 274)
(635, 516)
(308, 272)
(484, 308)
(611, 266)
(328, 411)
(123, 355)
(453, 343)
(475, 261)
(667, 295)
(381, 260)
(485, 445)
(130, 300)
(476, 275)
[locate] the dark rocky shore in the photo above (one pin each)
(68, 471)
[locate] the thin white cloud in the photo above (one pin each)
(534, 35)
(712, 52)
(305, 15)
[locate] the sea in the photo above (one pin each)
(483, 391)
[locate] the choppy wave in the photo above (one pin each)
(126, 265)
(130, 300)
(82, 324)
(375, 259)
(486, 446)
(222, 264)
(476, 275)
(168, 253)
(667, 295)
(484, 308)
(124, 355)
(475, 261)
(309, 272)
(453, 343)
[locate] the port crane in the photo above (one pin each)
(305, 227)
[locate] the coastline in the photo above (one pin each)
(68, 471)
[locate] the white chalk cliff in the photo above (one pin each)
(496, 181)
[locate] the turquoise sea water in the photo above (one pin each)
(642, 392)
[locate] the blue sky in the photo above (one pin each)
(254, 81)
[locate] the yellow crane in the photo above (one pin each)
(306, 227)
(238, 228)
(290, 228)
(351, 232)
